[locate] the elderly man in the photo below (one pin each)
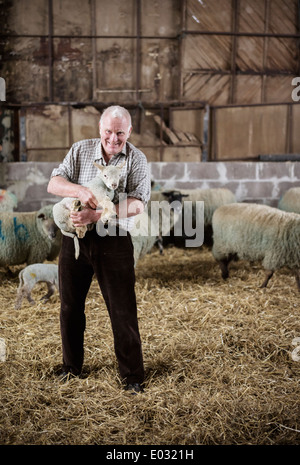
(110, 257)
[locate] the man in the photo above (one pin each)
(110, 256)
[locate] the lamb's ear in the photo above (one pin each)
(100, 167)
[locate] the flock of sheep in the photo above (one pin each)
(251, 231)
(31, 238)
(246, 231)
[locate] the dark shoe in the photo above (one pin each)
(134, 388)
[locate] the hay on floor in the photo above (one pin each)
(218, 359)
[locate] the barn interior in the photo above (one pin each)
(213, 89)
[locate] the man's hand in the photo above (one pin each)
(85, 216)
(129, 207)
(87, 198)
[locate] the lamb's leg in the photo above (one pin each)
(108, 210)
(77, 207)
(51, 289)
(30, 299)
(27, 292)
(80, 231)
(24, 292)
(76, 242)
(268, 276)
(19, 298)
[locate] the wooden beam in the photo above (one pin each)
(170, 134)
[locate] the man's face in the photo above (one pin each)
(114, 133)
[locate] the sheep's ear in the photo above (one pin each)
(100, 167)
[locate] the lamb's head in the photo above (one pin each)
(110, 174)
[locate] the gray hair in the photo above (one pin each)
(116, 111)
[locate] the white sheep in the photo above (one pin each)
(8, 201)
(212, 198)
(103, 186)
(290, 201)
(28, 237)
(33, 274)
(151, 225)
(257, 233)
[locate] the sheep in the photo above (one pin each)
(8, 201)
(143, 242)
(158, 195)
(212, 198)
(290, 201)
(28, 237)
(33, 274)
(152, 224)
(256, 233)
(103, 186)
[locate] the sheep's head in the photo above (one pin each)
(48, 226)
(110, 174)
(175, 199)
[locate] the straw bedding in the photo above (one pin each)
(218, 359)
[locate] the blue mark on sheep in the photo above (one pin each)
(20, 231)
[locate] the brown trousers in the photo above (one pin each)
(111, 259)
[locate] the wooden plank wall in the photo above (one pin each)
(240, 52)
(168, 59)
(246, 132)
(51, 129)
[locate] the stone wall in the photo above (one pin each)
(262, 182)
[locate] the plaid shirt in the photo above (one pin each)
(78, 167)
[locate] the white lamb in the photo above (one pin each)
(33, 274)
(103, 186)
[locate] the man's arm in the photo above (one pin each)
(64, 188)
(129, 207)
(58, 185)
(125, 209)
